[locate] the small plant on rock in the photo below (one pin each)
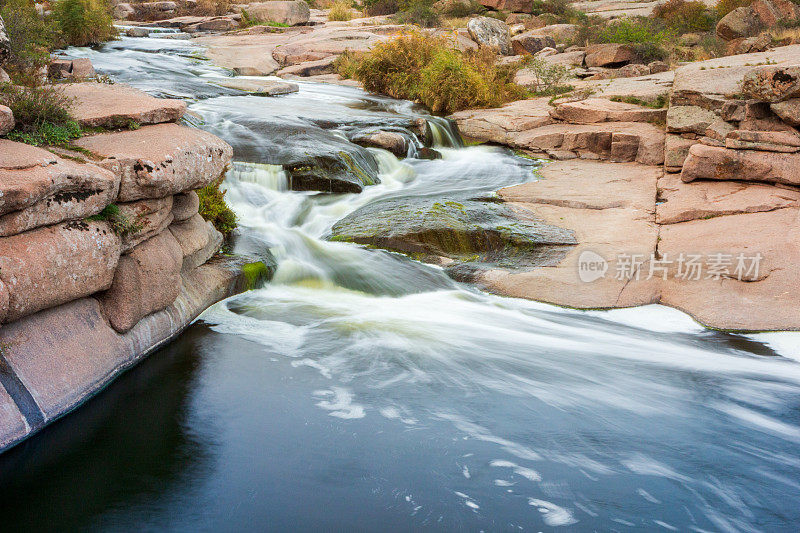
(121, 224)
(548, 79)
(214, 208)
(41, 114)
(647, 36)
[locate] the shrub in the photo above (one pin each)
(724, 7)
(685, 16)
(419, 12)
(214, 208)
(30, 37)
(215, 8)
(84, 22)
(376, 8)
(548, 79)
(464, 9)
(340, 10)
(556, 11)
(347, 64)
(35, 106)
(646, 35)
(424, 68)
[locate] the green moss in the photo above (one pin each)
(660, 102)
(47, 133)
(256, 275)
(214, 208)
(120, 223)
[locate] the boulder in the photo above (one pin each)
(501, 125)
(772, 13)
(388, 140)
(310, 68)
(147, 217)
(739, 23)
(6, 120)
(594, 110)
(513, 6)
(656, 67)
(528, 43)
(122, 11)
(4, 77)
(5, 43)
(788, 111)
(74, 69)
(609, 55)
(291, 13)
(199, 241)
(119, 106)
(491, 33)
(160, 160)
(689, 119)
(148, 279)
(676, 149)
(716, 163)
(80, 256)
(213, 24)
(772, 83)
(138, 31)
(185, 205)
(767, 141)
(562, 33)
(82, 69)
(759, 43)
(259, 87)
(632, 71)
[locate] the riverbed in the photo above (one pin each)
(363, 390)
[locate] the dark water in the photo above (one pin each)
(364, 391)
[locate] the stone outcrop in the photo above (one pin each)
(160, 160)
(291, 12)
(529, 43)
(491, 33)
(609, 55)
(119, 106)
(749, 20)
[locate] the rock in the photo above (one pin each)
(714, 163)
(518, 18)
(759, 43)
(568, 59)
(768, 141)
(82, 69)
(676, 149)
(528, 43)
(246, 55)
(198, 239)
(513, 6)
(633, 71)
(689, 119)
(4, 77)
(146, 280)
(148, 217)
(213, 24)
(500, 124)
(81, 255)
(719, 130)
(657, 67)
(698, 200)
(739, 23)
(324, 43)
(59, 68)
(64, 190)
(771, 13)
(733, 111)
(546, 52)
(5, 43)
(772, 83)
(593, 110)
(138, 31)
(119, 106)
(788, 111)
(516, 29)
(259, 87)
(122, 11)
(388, 140)
(609, 55)
(562, 33)
(310, 68)
(185, 205)
(290, 13)
(160, 160)
(6, 120)
(491, 33)
(455, 228)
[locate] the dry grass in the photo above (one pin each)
(340, 11)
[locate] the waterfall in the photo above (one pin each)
(271, 177)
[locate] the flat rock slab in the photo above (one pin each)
(114, 106)
(247, 55)
(648, 88)
(258, 87)
(699, 200)
(13, 425)
(769, 302)
(593, 110)
(81, 255)
(160, 160)
(310, 68)
(719, 163)
(495, 125)
(585, 197)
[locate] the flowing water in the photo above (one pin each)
(361, 390)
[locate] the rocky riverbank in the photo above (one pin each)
(103, 255)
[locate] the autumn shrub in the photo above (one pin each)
(426, 69)
(376, 8)
(464, 9)
(41, 114)
(556, 11)
(683, 16)
(83, 22)
(215, 8)
(724, 7)
(31, 38)
(419, 13)
(340, 11)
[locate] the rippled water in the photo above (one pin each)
(362, 390)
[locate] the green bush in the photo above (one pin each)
(724, 7)
(84, 22)
(31, 39)
(419, 12)
(648, 37)
(423, 68)
(214, 208)
(548, 79)
(556, 11)
(41, 114)
(684, 16)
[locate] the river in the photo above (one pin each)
(362, 390)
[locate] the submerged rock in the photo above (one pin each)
(259, 87)
(475, 231)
